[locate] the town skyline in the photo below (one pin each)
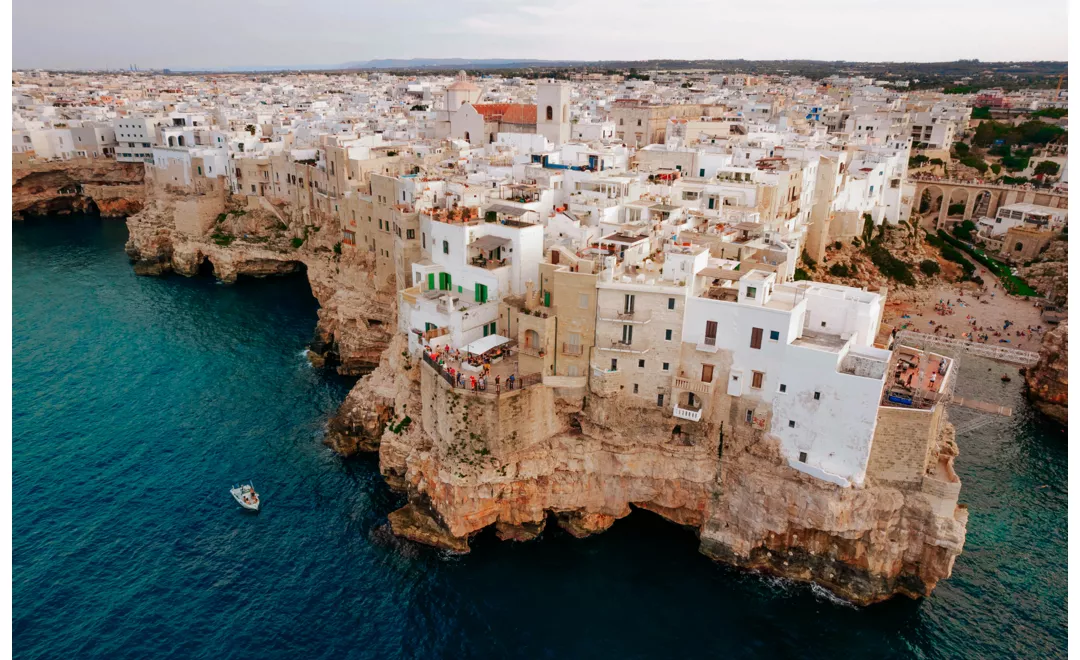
(334, 33)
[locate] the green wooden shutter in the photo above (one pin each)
(485, 329)
(431, 280)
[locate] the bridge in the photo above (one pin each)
(979, 198)
(992, 351)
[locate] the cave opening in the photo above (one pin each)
(206, 268)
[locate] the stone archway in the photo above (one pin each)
(957, 205)
(930, 199)
(979, 205)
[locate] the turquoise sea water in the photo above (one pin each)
(139, 401)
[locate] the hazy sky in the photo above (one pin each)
(224, 33)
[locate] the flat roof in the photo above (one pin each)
(623, 238)
(506, 209)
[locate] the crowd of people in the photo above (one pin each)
(450, 360)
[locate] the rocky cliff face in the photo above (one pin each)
(472, 461)
(1048, 381)
(357, 306)
(101, 186)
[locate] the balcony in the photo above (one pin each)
(709, 345)
(531, 351)
(488, 264)
(618, 346)
(688, 414)
(572, 349)
(623, 316)
(689, 385)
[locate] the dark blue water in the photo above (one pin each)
(139, 401)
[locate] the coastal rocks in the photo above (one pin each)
(1048, 380)
(190, 234)
(582, 523)
(103, 186)
(415, 523)
(864, 544)
(521, 533)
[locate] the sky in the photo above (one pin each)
(210, 34)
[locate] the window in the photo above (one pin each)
(749, 416)
(791, 423)
(614, 364)
(823, 324)
(423, 240)
(549, 114)
(410, 233)
(757, 380)
(774, 335)
(666, 366)
(783, 388)
(817, 396)
(671, 303)
(706, 373)
(627, 334)
(755, 338)
(583, 300)
(802, 456)
(635, 388)
(710, 333)
(667, 335)
(751, 292)
(641, 363)
(445, 246)
(639, 122)
(660, 400)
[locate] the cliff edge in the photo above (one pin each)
(1048, 380)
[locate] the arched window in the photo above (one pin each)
(550, 114)
(180, 140)
(1019, 246)
(467, 138)
(172, 141)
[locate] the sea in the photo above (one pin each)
(138, 401)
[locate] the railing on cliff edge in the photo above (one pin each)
(520, 382)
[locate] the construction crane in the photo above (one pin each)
(1057, 92)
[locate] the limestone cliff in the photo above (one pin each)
(88, 186)
(1048, 381)
(213, 232)
(582, 460)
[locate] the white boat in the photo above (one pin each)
(246, 496)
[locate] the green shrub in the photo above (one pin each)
(929, 267)
(337, 247)
(916, 161)
(839, 270)
(801, 274)
(976, 162)
(222, 239)
(221, 217)
(890, 266)
(807, 261)
(1053, 113)
(995, 168)
(981, 112)
(964, 230)
(1012, 283)
(297, 242)
(837, 245)
(961, 148)
(957, 208)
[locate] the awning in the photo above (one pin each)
(506, 209)
(489, 242)
(485, 344)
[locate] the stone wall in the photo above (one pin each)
(903, 441)
(471, 426)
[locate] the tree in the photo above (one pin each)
(929, 267)
(250, 128)
(1048, 168)
(981, 112)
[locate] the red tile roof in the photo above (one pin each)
(507, 113)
